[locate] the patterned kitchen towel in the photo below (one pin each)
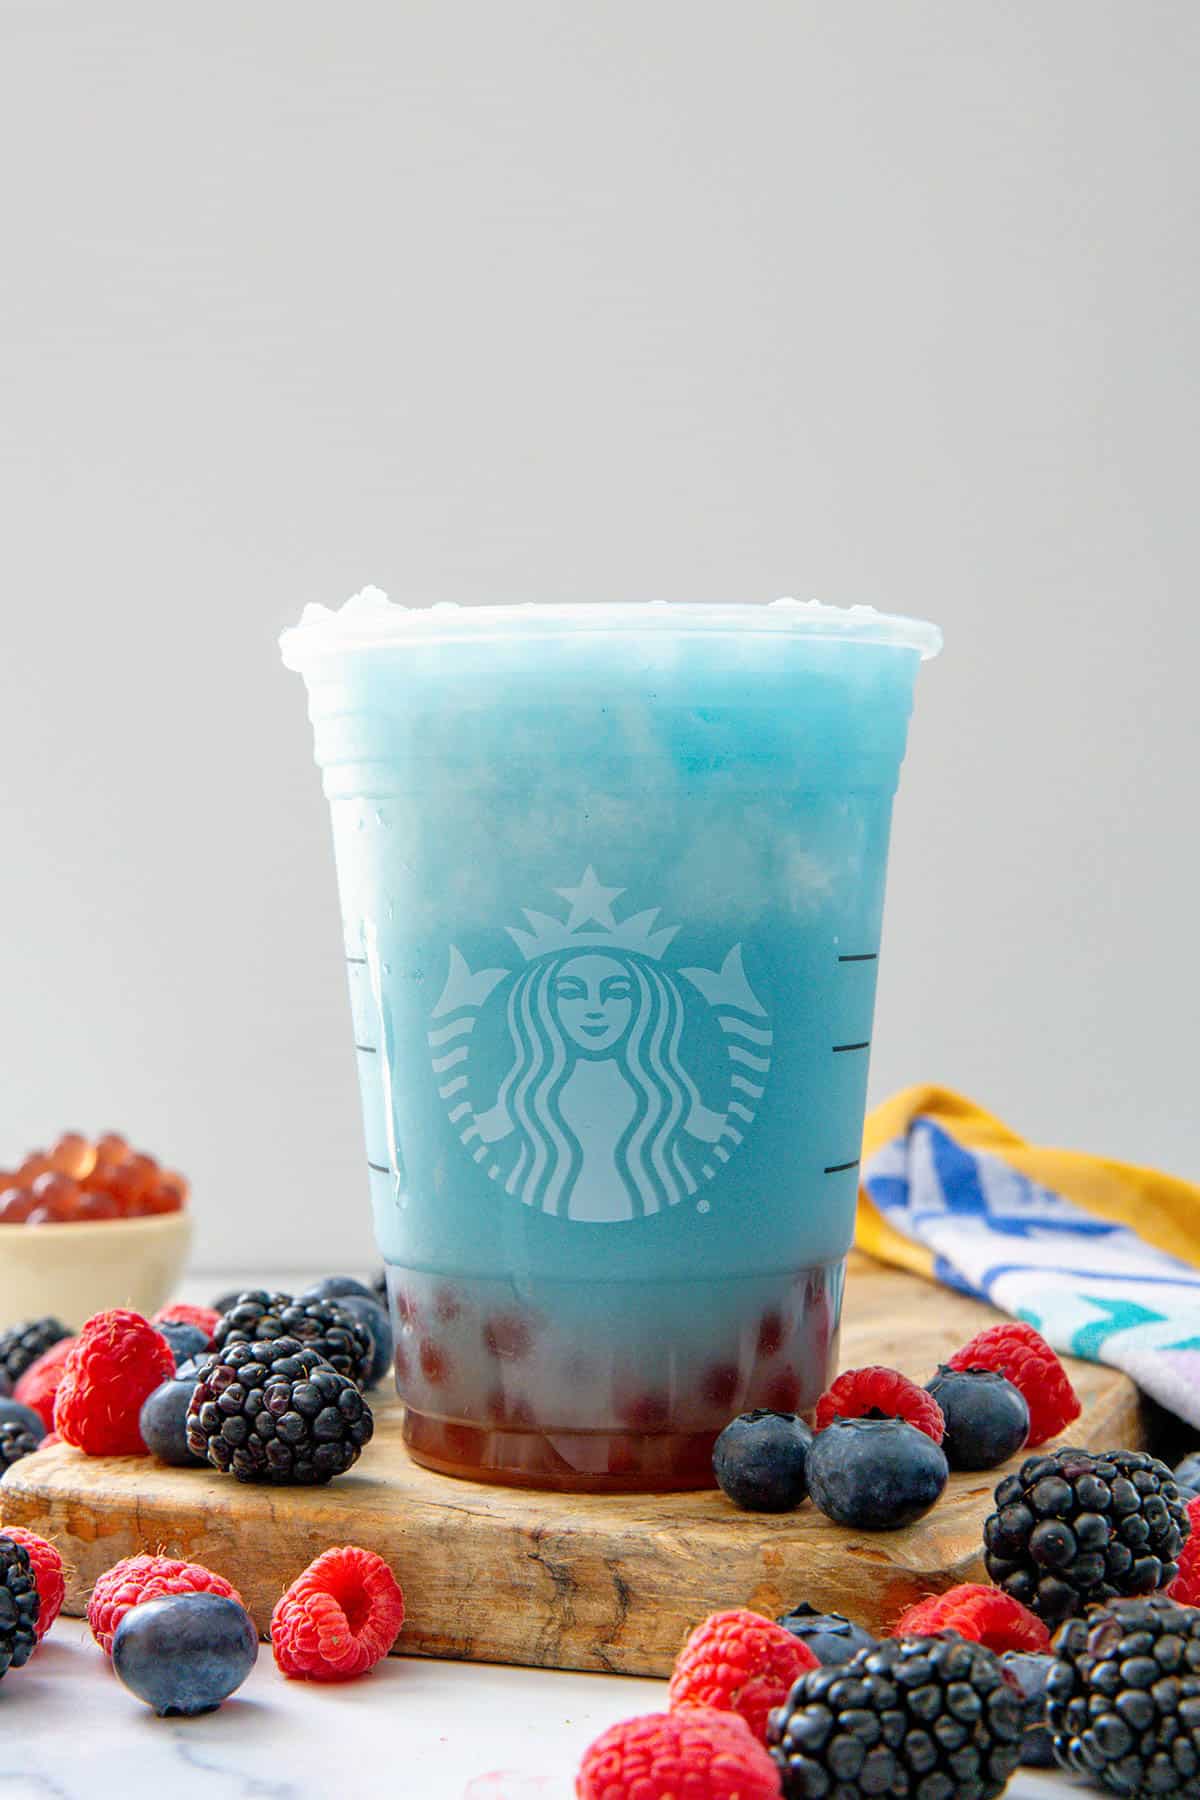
(1101, 1257)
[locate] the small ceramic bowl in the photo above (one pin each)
(73, 1271)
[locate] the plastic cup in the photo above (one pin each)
(612, 881)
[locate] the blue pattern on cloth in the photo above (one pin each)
(1094, 1289)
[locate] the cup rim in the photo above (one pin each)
(369, 620)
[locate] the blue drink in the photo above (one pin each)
(612, 880)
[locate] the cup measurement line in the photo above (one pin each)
(379, 1168)
(861, 956)
(368, 1049)
(357, 959)
(837, 1168)
(865, 1045)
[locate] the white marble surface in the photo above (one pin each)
(410, 1730)
(411, 1727)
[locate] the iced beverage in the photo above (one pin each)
(612, 879)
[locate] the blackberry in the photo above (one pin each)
(276, 1411)
(18, 1605)
(15, 1412)
(1072, 1529)
(1123, 1697)
(16, 1441)
(1030, 1671)
(932, 1718)
(23, 1344)
(831, 1637)
(321, 1325)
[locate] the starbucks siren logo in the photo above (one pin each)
(597, 1116)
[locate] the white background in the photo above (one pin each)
(888, 303)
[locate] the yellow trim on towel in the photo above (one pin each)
(1162, 1209)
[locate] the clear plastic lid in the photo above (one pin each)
(371, 621)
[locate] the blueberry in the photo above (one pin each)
(5, 1383)
(1187, 1473)
(186, 1341)
(875, 1474)
(759, 1461)
(185, 1653)
(987, 1419)
(1029, 1671)
(831, 1637)
(226, 1302)
(367, 1310)
(163, 1423)
(336, 1287)
(13, 1412)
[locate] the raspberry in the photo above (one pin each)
(649, 1411)
(719, 1385)
(339, 1618)
(881, 1393)
(204, 1318)
(770, 1335)
(47, 1568)
(505, 1409)
(39, 1384)
(694, 1753)
(784, 1392)
(435, 1365)
(983, 1614)
(741, 1663)
(508, 1335)
(1186, 1586)
(446, 1305)
(51, 1437)
(118, 1359)
(1022, 1354)
(138, 1578)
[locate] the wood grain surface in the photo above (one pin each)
(564, 1581)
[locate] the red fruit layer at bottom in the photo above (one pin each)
(614, 1386)
(595, 1462)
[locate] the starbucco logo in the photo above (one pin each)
(618, 1086)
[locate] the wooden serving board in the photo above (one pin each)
(565, 1581)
